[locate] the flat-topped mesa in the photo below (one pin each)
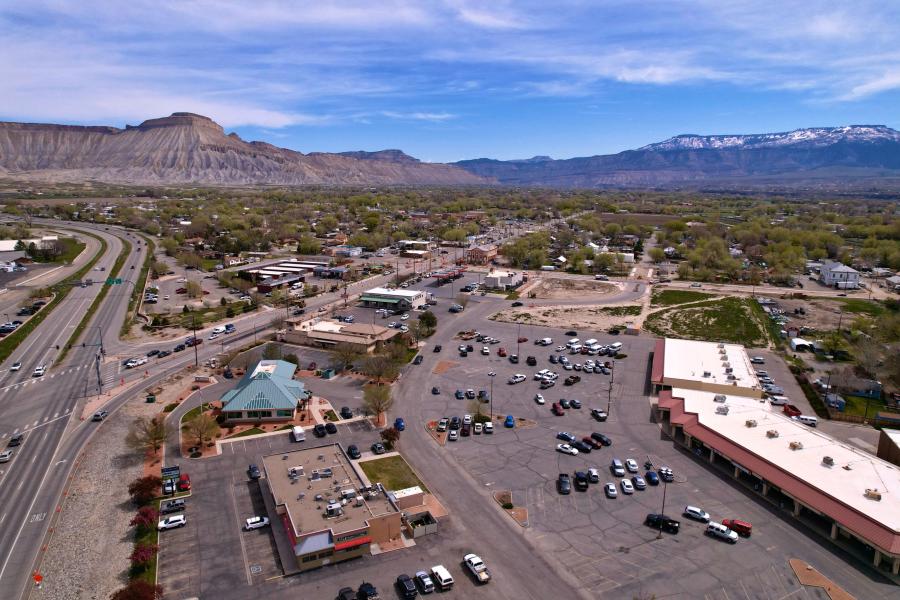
(182, 119)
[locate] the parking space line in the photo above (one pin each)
(240, 537)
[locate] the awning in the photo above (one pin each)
(376, 299)
(353, 543)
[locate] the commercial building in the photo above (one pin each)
(326, 333)
(267, 393)
(481, 255)
(503, 280)
(415, 245)
(416, 254)
(839, 491)
(889, 445)
(837, 275)
(274, 282)
(327, 512)
(392, 299)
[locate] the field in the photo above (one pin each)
(392, 472)
(554, 288)
(597, 318)
(728, 320)
(673, 297)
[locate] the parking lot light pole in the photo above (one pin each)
(492, 375)
(612, 378)
(663, 510)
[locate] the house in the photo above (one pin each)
(481, 255)
(893, 283)
(267, 393)
(837, 275)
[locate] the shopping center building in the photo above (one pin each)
(710, 401)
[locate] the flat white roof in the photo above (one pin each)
(848, 485)
(690, 360)
(893, 434)
(401, 293)
(501, 274)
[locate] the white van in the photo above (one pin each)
(807, 420)
(615, 347)
(298, 434)
(778, 400)
(590, 342)
(219, 329)
(546, 341)
(442, 576)
(572, 342)
(575, 348)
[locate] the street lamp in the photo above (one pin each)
(492, 375)
(612, 379)
(663, 510)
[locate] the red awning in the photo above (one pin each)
(353, 543)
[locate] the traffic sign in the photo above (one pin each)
(113, 281)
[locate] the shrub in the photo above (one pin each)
(144, 489)
(170, 407)
(620, 356)
(145, 518)
(508, 505)
(138, 589)
(143, 554)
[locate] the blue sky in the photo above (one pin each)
(456, 79)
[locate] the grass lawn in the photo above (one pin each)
(728, 320)
(246, 432)
(71, 249)
(858, 305)
(190, 414)
(673, 297)
(856, 405)
(622, 311)
(393, 473)
(209, 264)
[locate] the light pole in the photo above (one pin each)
(662, 511)
(492, 375)
(612, 379)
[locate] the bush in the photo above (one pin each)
(170, 407)
(220, 418)
(508, 505)
(145, 518)
(143, 554)
(138, 589)
(144, 489)
(620, 356)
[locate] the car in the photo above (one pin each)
(172, 523)
(39, 371)
(599, 414)
(378, 448)
(168, 486)
(453, 435)
(367, 591)
(564, 484)
(564, 403)
(603, 439)
(742, 528)
(16, 366)
(100, 415)
(470, 394)
(330, 427)
(662, 522)
(477, 428)
(627, 488)
(616, 468)
(758, 360)
(639, 483)
(467, 419)
(346, 413)
(718, 530)
(319, 430)
(443, 424)
(696, 513)
(501, 352)
(256, 523)
(575, 403)
(567, 449)
(184, 482)
(554, 359)
(399, 424)
(557, 410)
(455, 423)
(485, 351)
(516, 304)
(582, 481)
(484, 396)
(437, 348)
(547, 384)
(651, 477)
(171, 506)
(353, 451)
(424, 581)
(594, 444)
(16, 440)
(666, 474)
(436, 391)
(565, 436)
(514, 359)
(572, 334)
(459, 394)
(253, 472)
(6, 456)
(466, 429)
(517, 378)
(610, 490)
(539, 399)
(594, 475)
(403, 317)
(531, 361)
(572, 380)
(489, 427)
(406, 587)
(582, 447)
(179, 348)
(631, 465)
(696, 285)
(163, 354)
(509, 422)
(418, 359)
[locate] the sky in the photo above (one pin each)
(455, 79)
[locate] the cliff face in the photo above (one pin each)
(185, 148)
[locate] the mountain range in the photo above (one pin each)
(186, 148)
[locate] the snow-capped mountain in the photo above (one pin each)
(813, 136)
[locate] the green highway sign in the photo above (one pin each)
(111, 281)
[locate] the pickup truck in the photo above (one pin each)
(791, 410)
(478, 568)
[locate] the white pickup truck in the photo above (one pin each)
(478, 568)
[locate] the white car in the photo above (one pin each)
(404, 316)
(213, 336)
(566, 449)
(6, 456)
(477, 428)
(485, 350)
(467, 419)
(539, 399)
(489, 427)
(696, 513)
(627, 488)
(631, 465)
(610, 490)
(16, 366)
(517, 378)
(172, 522)
(568, 366)
(256, 523)
(720, 531)
(560, 348)
(392, 325)
(453, 435)
(404, 328)
(39, 371)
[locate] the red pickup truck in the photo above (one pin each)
(791, 410)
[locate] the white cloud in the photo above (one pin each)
(886, 81)
(420, 116)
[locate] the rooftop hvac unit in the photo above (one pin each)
(719, 398)
(722, 410)
(334, 509)
(796, 445)
(729, 369)
(750, 423)
(827, 460)
(772, 433)
(721, 344)
(731, 377)
(726, 364)
(873, 494)
(707, 374)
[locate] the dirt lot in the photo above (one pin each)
(552, 288)
(578, 317)
(821, 315)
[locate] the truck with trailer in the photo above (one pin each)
(477, 567)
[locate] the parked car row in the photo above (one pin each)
(438, 578)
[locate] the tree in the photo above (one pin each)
(380, 368)
(202, 427)
(308, 245)
(390, 436)
(344, 356)
(377, 399)
(272, 352)
(144, 489)
(428, 319)
(462, 299)
(292, 358)
(277, 322)
(145, 517)
(194, 290)
(143, 554)
(656, 254)
(138, 589)
(146, 434)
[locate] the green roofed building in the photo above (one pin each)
(392, 299)
(267, 392)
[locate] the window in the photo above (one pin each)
(285, 413)
(309, 558)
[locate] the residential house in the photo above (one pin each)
(837, 275)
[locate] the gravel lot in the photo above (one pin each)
(87, 557)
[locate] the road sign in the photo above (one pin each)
(113, 281)
(171, 472)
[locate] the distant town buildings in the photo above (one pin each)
(838, 275)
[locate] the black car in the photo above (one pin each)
(178, 348)
(470, 348)
(572, 380)
(353, 451)
(470, 394)
(153, 353)
(346, 413)
(406, 586)
(657, 521)
(455, 423)
(516, 304)
(436, 391)
(163, 354)
(438, 348)
(564, 484)
(484, 396)
(466, 429)
(366, 591)
(330, 427)
(531, 361)
(572, 333)
(378, 448)
(171, 506)
(463, 353)
(514, 359)
(319, 430)
(16, 440)
(582, 481)
(564, 403)
(582, 447)
(602, 439)
(253, 472)
(554, 359)
(418, 360)
(575, 403)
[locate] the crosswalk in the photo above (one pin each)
(36, 424)
(36, 380)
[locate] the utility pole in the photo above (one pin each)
(518, 337)
(194, 330)
(492, 375)
(663, 510)
(612, 379)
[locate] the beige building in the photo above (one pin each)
(326, 333)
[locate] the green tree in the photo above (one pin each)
(344, 356)
(377, 399)
(146, 434)
(201, 428)
(380, 368)
(272, 351)
(194, 290)
(390, 437)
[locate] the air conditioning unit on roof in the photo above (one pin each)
(827, 460)
(750, 422)
(873, 494)
(796, 445)
(772, 433)
(719, 398)
(722, 410)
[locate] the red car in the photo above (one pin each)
(740, 527)
(557, 410)
(591, 442)
(501, 352)
(181, 291)
(791, 410)
(184, 482)
(522, 340)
